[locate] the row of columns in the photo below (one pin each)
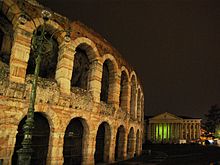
(191, 131)
(172, 132)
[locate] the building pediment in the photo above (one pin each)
(165, 117)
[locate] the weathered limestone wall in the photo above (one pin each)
(58, 101)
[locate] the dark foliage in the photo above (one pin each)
(212, 119)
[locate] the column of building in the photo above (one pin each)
(170, 131)
(167, 139)
(185, 129)
(198, 130)
(194, 130)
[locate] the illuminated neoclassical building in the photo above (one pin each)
(168, 128)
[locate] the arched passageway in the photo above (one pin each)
(80, 69)
(123, 91)
(40, 140)
(137, 149)
(103, 138)
(48, 60)
(73, 142)
(130, 144)
(120, 143)
(105, 83)
(6, 38)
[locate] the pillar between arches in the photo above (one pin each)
(7, 142)
(124, 98)
(20, 54)
(112, 147)
(55, 149)
(88, 154)
(113, 96)
(95, 78)
(64, 67)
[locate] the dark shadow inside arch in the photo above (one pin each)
(40, 140)
(73, 142)
(48, 60)
(80, 69)
(105, 83)
(120, 142)
(6, 38)
(130, 144)
(102, 143)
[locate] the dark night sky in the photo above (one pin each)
(174, 46)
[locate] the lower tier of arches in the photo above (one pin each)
(79, 138)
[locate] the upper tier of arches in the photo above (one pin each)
(85, 62)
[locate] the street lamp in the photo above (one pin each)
(39, 45)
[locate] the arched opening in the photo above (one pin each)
(80, 69)
(103, 139)
(105, 83)
(137, 151)
(133, 97)
(40, 140)
(6, 38)
(139, 105)
(48, 60)
(120, 143)
(123, 90)
(130, 144)
(74, 140)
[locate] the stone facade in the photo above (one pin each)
(65, 112)
(168, 128)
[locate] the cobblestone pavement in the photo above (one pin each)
(153, 159)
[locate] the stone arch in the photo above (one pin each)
(24, 33)
(50, 115)
(10, 10)
(120, 143)
(51, 26)
(139, 112)
(40, 139)
(103, 138)
(48, 61)
(109, 79)
(124, 89)
(138, 143)
(133, 98)
(131, 143)
(87, 45)
(75, 141)
(85, 53)
(6, 38)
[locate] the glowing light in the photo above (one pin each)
(162, 132)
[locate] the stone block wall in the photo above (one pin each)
(60, 103)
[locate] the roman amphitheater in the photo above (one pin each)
(89, 105)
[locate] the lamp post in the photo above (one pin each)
(39, 47)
